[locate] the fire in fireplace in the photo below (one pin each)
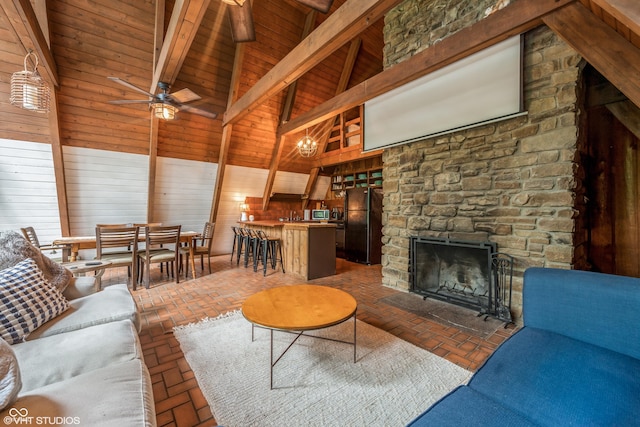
(459, 272)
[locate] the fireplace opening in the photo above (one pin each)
(459, 272)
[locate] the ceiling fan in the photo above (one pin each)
(164, 104)
(241, 19)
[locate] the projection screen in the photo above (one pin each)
(482, 88)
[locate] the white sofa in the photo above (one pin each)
(84, 367)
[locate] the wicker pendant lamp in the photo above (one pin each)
(29, 90)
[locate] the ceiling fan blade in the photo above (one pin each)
(241, 21)
(322, 6)
(130, 101)
(130, 86)
(198, 111)
(185, 95)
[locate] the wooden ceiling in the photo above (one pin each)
(246, 84)
(93, 40)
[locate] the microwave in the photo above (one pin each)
(320, 215)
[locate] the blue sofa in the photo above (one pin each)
(576, 361)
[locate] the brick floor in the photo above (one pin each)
(178, 399)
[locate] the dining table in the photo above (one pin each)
(73, 244)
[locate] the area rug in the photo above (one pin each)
(447, 314)
(317, 382)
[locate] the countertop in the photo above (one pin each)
(297, 224)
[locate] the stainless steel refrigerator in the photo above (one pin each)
(363, 225)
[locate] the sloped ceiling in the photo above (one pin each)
(91, 40)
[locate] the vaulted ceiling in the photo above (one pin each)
(188, 43)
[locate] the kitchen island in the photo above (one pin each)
(308, 247)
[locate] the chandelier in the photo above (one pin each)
(307, 146)
(29, 90)
(164, 111)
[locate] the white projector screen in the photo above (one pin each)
(484, 87)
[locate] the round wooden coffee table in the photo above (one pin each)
(300, 308)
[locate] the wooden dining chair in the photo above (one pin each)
(29, 233)
(201, 246)
(167, 236)
(119, 246)
(141, 226)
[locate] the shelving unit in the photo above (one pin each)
(357, 179)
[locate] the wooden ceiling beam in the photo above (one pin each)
(607, 51)
(25, 23)
(325, 129)
(185, 20)
(353, 17)
(285, 115)
(227, 131)
(344, 156)
(514, 19)
(625, 11)
(158, 36)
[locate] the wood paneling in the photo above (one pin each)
(28, 196)
(91, 201)
(91, 41)
(183, 192)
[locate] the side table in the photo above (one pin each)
(80, 268)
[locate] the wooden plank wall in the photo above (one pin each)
(239, 183)
(184, 190)
(28, 189)
(104, 187)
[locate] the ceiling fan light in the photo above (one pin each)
(164, 111)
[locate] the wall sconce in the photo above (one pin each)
(307, 146)
(29, 90)
(164, 111)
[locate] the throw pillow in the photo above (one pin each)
(15, 248)
(10, 381)
(26, 301)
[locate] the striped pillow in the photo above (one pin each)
(26, 301)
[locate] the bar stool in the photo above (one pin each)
(241, 239)
(271, 249)
(237, 241)
(258, 249)
(250, 242)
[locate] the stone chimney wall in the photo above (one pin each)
(512, 182)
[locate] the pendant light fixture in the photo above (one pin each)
(307, 146)
(29, 90)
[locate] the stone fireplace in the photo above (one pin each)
(515, 183)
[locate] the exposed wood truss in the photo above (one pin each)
(610, 53)
(25, 23)
(285, 115)
(226, 132)
(185, 21)
(514, 19)
(347, 22)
